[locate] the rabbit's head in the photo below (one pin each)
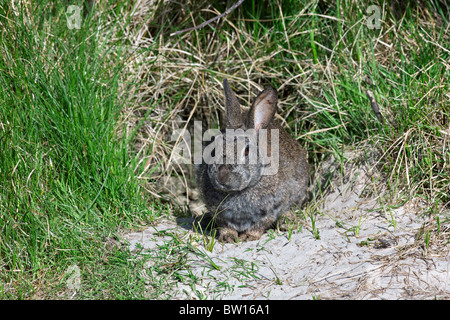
(240, 152)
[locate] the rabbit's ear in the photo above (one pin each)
(263, 109)
(233, 114)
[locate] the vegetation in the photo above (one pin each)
(86, 116)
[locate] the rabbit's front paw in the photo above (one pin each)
(228, 235)
(251, 235)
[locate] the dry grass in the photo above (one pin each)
(179, 80)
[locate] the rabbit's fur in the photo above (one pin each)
(241, 200)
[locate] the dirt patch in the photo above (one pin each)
(350, 245)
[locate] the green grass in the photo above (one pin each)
(85, 115)
(67, 180)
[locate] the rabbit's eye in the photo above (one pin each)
(246, 151)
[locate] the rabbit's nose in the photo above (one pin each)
(222, 173)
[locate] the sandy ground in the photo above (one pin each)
(363, 250)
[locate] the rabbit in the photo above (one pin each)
(241, 199)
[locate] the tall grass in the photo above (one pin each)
(66, 176)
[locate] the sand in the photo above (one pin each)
(354, 247)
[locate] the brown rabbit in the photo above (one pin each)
(247, 195)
